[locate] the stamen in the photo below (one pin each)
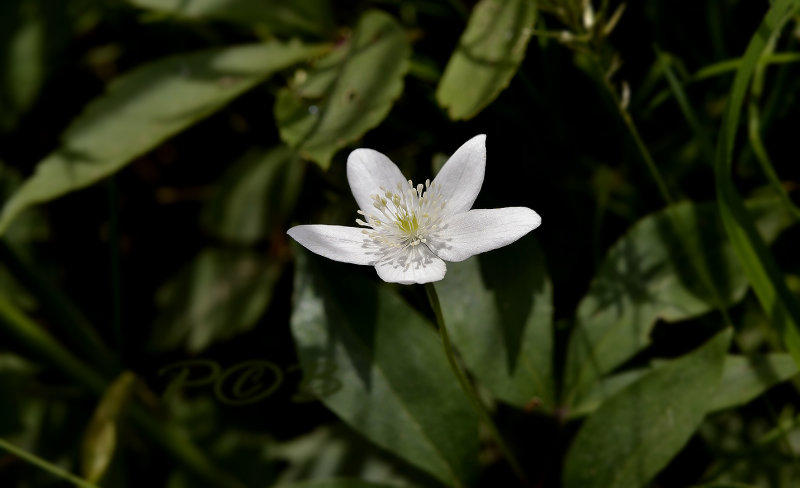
(412, 217)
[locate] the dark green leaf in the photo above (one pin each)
(381, 369)
(33, 33)
(651, 274)
(222, 293)
(280, 16)
(746, 377)
(145, 107)
(498, 308)
(348, 92)
(743, 379)
(255, 196)
(336, 451)
(634, 434)
(489, 52)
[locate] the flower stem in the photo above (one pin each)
(467, 387)
(45, 465)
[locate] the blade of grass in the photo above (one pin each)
(754, 129)
(60, 310)
(762, 270)
(173, 440)
(44, 464)
(730, 65)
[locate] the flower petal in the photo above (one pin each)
(417, 266)
(367, 171)
(482, 230)
(337, 242)
(461, 177)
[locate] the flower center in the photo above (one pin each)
(406, 217)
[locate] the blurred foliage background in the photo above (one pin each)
(159, 328)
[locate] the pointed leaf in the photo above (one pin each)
(145, 107)
(498, 308)
(743, 379)
(651, 274)
(348, 92)
(747, 377)
(635, 433)
(489, 52)
(386, 373)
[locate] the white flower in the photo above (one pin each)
(407, 232)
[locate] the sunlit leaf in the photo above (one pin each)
(651, 274)
(280, 16)
(746, 377)
(220, 294)
(743, 379)
(634, 434)
(487, 57)
(498, 308)
(30, 228)
(381, 369)
(143, 108)
(256, 194)
(347, 92)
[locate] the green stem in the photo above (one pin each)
(467, 387)
(637, 139)
(28, 332)
(45, 465)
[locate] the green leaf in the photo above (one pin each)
(100, 439)
(386, 373)
(602, 390)
(649, 275)
(143, 108)
(255, 196)
(747, 377)
(280, 16)
(488, 55)
(348, 92)
(635, 433)
(33, 34)
(221, 293)
(498, 309)
(30, 228)
(759, 265)
(743, 379)
(336, 451)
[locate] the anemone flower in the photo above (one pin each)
(408, 232)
